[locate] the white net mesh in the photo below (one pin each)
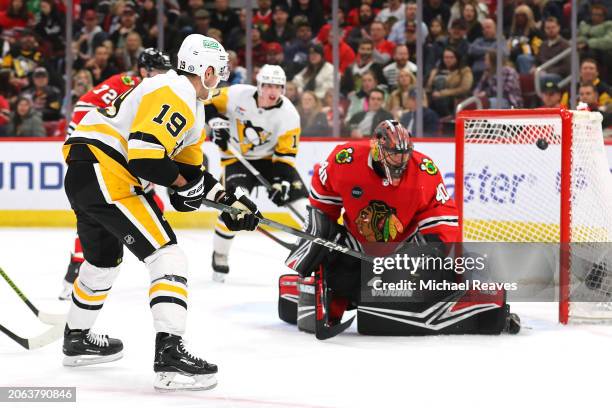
(512, 185)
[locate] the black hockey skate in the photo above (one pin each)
(178, 369)
(220, 267)
(513, 324)
(82, 347)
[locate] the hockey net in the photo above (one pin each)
(542, 176)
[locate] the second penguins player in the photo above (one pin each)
(264, 127)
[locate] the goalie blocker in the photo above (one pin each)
(435, 312)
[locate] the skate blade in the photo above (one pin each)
(219, 277)
(170, 382)
(84, 360)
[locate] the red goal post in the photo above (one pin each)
(537, 175)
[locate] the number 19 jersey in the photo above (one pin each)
(159, 117)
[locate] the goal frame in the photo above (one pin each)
(566, 182)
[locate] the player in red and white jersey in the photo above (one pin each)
(150, 63)
(392, 200)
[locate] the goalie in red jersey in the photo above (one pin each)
(150, 63)
(394, 202)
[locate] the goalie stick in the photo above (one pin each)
(52, 334)
(301, 234)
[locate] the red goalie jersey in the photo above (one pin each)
(101, 96)
(377, 212)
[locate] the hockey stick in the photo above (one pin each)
(47, 318)
(301, 234)
(279, 241)
(49, 336)
(265, 183)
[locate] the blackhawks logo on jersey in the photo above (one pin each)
(127, 80)
(378, 222)
(428, 166)
(344, 156)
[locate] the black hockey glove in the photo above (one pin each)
(281, 184)
(190, 196)
(248, 220)
(221, 132)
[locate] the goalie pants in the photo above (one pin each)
(110, 214)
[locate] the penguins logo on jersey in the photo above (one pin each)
(251, 135)
(378, 223)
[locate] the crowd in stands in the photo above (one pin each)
(377, 48)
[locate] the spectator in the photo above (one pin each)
(25, 121)
(15, 16)
(589, 95)
(238, 74)
(487, 87)
(434, 45)
(236, 36)
(47, 99)
(133, 49)
(436, 9)
(8, 86)
(401, 61)
(291, 92)
(262, 18)
(216, 34)
(597, 36)
(281, 31)
(318, 76)
(398, 31)
(50, 27)
(201, 22)
(358, 100)
(5, 115)
(148, 16)
(589, 73)
(457, 38)
(296, 53)
(223, 18)
(347, 55)
(328, 103)
(172, 36)
(551, 47)
(23, 58)
(82, 83)
(362, 124)
(186, 21)
(100, 66)
(90, 36)
(309, 9)
(431, 121)
(397, 101)
(456, 10)
(313, 122)
(260, 49)
(470, 16)
(524, 40)
(351, 80)
(551, 94)
(383, 48)
(360, 31)
(481, 45)
(395, 8)
(127, 24)
(449, 83)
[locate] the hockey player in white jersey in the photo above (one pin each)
(264, 127)
(152, 133)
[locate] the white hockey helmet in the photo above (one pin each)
(199, 52)
(271, 74)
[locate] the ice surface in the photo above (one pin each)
(267, 363)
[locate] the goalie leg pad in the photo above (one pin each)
(168, 291)
(288, 295)
(306, 305)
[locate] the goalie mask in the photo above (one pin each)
(391, 148)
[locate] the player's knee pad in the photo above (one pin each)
(169, 260)
(97, 278)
